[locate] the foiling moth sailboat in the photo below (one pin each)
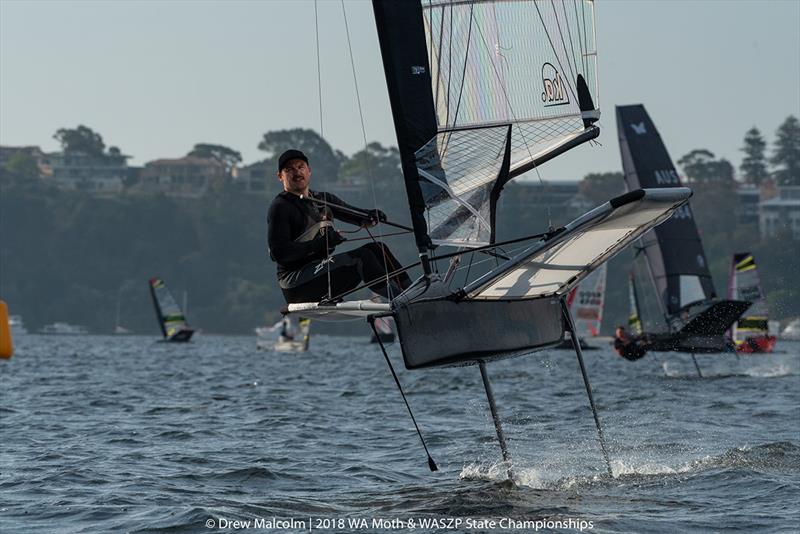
(481, 92)
(170, 317)
(751, 332)
(695, 317)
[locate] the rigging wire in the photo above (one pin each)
(370, 174)
(516, 120)
(563, 45)
(553, 46)
(463, 71)
(325, 211)
(581, 38)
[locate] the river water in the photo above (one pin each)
(122, 434)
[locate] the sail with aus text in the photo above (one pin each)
(674, 251)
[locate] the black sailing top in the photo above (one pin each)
(289, 221)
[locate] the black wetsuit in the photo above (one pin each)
(630, 350)
(299, 243)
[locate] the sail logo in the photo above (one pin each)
(322, 264)
(701, 261)
(553, 85)
(416, 70)
(682, 212)
(667, 177)
(639, 129)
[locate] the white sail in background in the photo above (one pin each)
(586, 302)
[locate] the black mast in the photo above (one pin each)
(405, 64)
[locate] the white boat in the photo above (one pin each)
(16, 325)
(64, 329)
(792, 331)
(291, 337)
(481, 93)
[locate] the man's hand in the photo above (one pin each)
(375, 217)
(333, 238)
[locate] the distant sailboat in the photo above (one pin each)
(385, 333)
(792, 331)
(695, 317)
(635, 316)
(170, 317)
(586, 303)
(751, 332)
(291, 337)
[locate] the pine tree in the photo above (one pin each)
(754, 164)
(786, 157)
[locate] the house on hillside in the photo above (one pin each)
(102, 174)
(188, 176)
(780, 211)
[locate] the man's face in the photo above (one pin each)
(620, 332)
(295, 176)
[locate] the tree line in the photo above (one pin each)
(68, 256)
(782, 165)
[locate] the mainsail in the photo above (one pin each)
(744, 284)
(482, 91)
(634, 317)
(170, 317)
(586, 302)
(674, 251)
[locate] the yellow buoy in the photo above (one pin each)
(6, 344)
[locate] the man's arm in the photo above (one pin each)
(361, 217)
(282, 248)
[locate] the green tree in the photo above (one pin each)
(23, 165)
(322, 158)
(601, 186)
(754, 164)
(227, 156)
(700, 165)
(786, 157)
(80, 139)
(376, 164)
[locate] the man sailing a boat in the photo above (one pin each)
(301, 240)
(631, 349)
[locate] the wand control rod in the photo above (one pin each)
(431, 464)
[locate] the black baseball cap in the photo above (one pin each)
(290, 155)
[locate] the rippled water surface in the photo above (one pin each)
(122, 434)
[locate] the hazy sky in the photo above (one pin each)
(156, 77)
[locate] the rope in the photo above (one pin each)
(322, 134)
(370, 175)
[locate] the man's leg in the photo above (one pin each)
(339, 273)
(376, 262)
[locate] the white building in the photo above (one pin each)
(781, 213)
(74, 170)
